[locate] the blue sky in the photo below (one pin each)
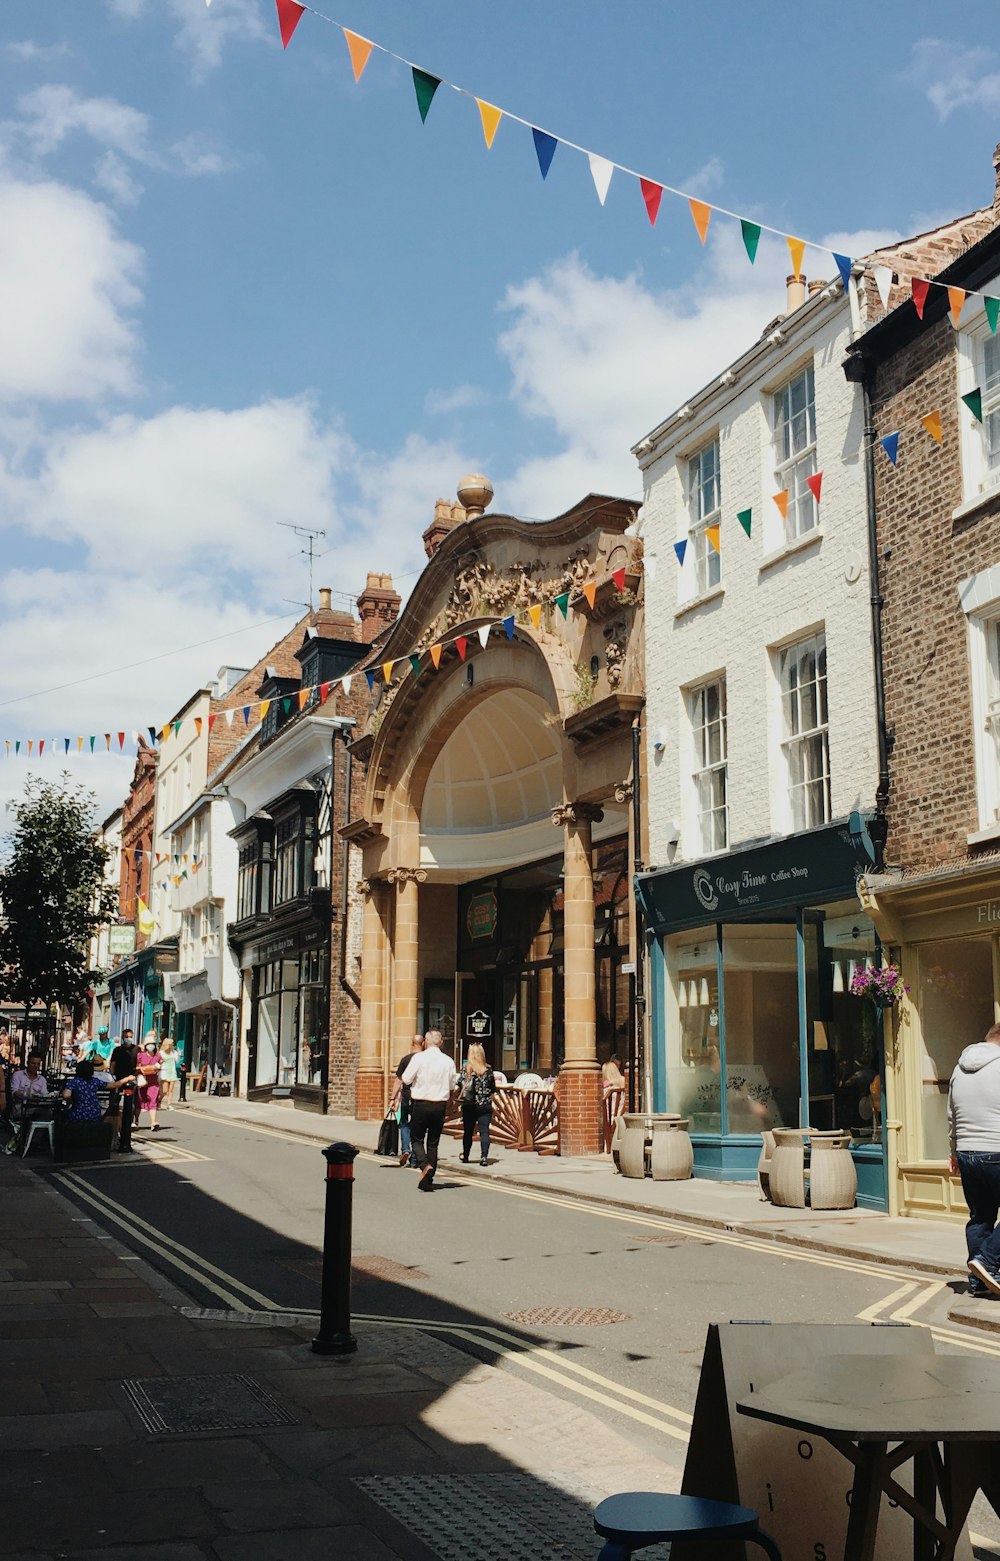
(236, 288)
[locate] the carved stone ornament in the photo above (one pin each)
(576, 813)
(404, 875)
(370, 886)
(624, 791)
(480, 590)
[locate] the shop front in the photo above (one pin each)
(203, 1027)
(138, 999)
(753, 1022)
(287, 985)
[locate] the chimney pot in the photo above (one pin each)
(796, 289)
(816, 287)
(324, 598)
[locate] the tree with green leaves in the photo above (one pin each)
(53, 897)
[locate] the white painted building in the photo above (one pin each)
(100, 955)
(762, 743)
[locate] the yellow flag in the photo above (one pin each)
(359, 49)
(796, 248)
(590, 592)
(265, 706)
(79, 745)
(712, 533)
(932, 423)
(146, 918)
(781, 499)
(387, 667)
(436, 656)
(702, 215)
(535, 613)
(490, 117)
(956, 301)
(165, 732)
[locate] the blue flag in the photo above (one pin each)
(370, 676)
(545, 149)
(508, 626)
(890, 445)
(680, 548)
(844, 264)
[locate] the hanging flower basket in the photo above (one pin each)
(882, 986)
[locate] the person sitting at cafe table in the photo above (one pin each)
(81, 1095)
(29, 1080)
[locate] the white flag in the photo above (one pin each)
(484, 633)
(601, 170)
(883, 281)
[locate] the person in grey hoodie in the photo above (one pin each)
(974, 1131)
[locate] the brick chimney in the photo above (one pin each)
(445, 516)
(332, 623)
(378, 606)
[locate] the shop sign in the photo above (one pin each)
(165, 961)
(285, 945)
(481, 916)
(801, 870)
(121, 941)
(478, 1026)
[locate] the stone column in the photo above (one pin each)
(369, 1084)
(579, 1076)
(405, 955)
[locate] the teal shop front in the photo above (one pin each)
(753, 1022)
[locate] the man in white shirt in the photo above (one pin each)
(431, 1080)
(29, 1080)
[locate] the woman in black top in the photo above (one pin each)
(477, 1103)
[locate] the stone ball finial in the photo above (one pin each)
(475, 492)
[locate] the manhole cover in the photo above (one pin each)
(370, 1267)
(568, 1316)
(673, 1240)
(174, 1406)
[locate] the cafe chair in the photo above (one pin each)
(41, 1125)
(635, 1519)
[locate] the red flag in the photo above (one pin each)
(814, 484)
(652, 194)
(211, 721)
(618, 579)
(289, 16)
(919, 289)
(121, 742)
(461, 645)
(324, 689)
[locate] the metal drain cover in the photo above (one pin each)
(367, 1267)
(176, 1406)
(674, 1239)
(568, 1316)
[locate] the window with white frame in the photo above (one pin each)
(979, 369)
(793, 421)
(707, 707)
(804, 731)
(980, 597)
(704, 509)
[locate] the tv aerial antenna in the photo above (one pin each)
(310, 538)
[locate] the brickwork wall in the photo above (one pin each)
(580, 1111)
(345, 932)
(925, 552)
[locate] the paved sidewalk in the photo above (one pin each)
(373, 1457)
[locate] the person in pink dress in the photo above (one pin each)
(147, 1069)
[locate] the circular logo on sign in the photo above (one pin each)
(703, 889)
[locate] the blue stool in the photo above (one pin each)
(636, 1519)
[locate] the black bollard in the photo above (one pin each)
(184, 1081)
(335, 1336)
(125, 1133)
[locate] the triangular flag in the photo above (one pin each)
(436, 656)
(17, 746)
(425, 87)
(65, 744)
(289, 16)
(745, 518)
(992, 307)
(781, 499)
(702, 215)
(484, 635)
(177, 728)
(146, 918)
(845, 265)
(652, 194)
(883, 281)
(956, 302)
(121, 742)
(150, 729)
(890, 444)
(589, 589)
(974, 402)
(796, 248)
(508, 626)
(265, 706)
(345, 683)
(165, 732)
(618, 579)
(490, 117)
(212, 720)
(229, 717)
(107, 741)
(562, 602)
(387, 667)
(92, 742)
(370, 679)
(415, 664)
(324, 694)
(932, 423)
(286, 705)
(601, 171)
(545, 149)
(246, 715)
(304, 697)
(535, 614)
(41, 746)
(751, 238)
(461, 645)
(814, 484)
(197, 725)
(919, 288)
(712, 533)
(680, 548)
(359, 49)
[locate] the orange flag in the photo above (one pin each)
(956, 301)
(359, 49)
(197, 725)
(781, 499)
(932, 423)
(535, 613)
(490, 117)
(712, 533)
(304, 697)
(387, 667)
(590, 591)
(436, 656)
(79, 745)
(702, 215)
(796, 248)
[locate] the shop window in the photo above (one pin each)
(956, 1007)
(246, 888)
(804, 735)
(707, 706)
(762, 1027)
(694, 1070)
(704, 510)
(287, 859)
(793, 413)
(268, 1015)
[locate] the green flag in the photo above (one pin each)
(992, 307)
(751, 238)
(744, 518)
(974, 402)
(415, 664)
(562, 602)
(425, 87)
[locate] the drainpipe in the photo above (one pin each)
(638, 1071)
(345, 985)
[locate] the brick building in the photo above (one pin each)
(937, 531)
(129, 1006)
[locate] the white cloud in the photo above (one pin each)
(708, 177)
(457, 399)
(31, 53)
(76, 283)
(955, 76)
(193, 156)
(203, 33)
(51, 113)
(112, 175)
